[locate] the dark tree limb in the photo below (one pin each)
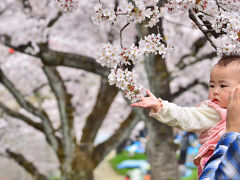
(116, 4)
(65, 107)
(6, 40)
(27, 5)
(4, 9)
(121, 134)
(198, 59)
(189, 86)
(54, 20)
(106, 96)
(196, 46)
(208, 25)
(176, 23)
(27, 165)
(37, 89)
(21, 117)
(48, 128)
(219, 6)
(199, 25)
(55, 58)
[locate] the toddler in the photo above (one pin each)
(209, 118)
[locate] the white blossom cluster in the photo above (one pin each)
(114, 57)
(67, 5)
(224, 16)
(38, 34)
(138, 11)
(174, 6)
(208, 6)
(152, 44)
(126, 80)
(231, 26)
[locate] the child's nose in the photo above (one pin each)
(215, 92)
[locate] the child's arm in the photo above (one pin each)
(192, 119)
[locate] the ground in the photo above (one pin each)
(105, 172)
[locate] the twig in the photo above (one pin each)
(205, 13)
(121, 34)
(52, 21)
(219, 6)
(3, 155)
(194, 19)
(178, 24)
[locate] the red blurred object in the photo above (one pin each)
(11, 50)
(147, 177)
(127, 178)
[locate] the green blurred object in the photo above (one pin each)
(54, 178)
(193, 176)
(125, 156)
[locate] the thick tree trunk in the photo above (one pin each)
(78, 174)
(161, 152)
(160, 149)
(81, 168)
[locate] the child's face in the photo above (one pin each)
(222, 81)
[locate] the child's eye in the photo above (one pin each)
(223, 86)
(211, 86)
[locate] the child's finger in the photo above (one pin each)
(133, 105)
(149, 93)
(236, 94)
(137, 105)
(231, 95)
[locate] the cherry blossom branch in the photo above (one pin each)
(99, 111)
(57, 58)
(194, 19)
(189, 86)
(208, 25)
(37, 89)
(54, 20)
(48, 128)
(21, 117)
(26, 4)
(219, 6)
(116, 4)
(27, 165)
(178, 24)
(67, 5)
(195, 48)
(64, 106)
(121, 31)
(121, 133)
(3, 10)
(123, 58)
(4, 155)
(6, 40)
(210, 55)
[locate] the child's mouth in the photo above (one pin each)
(215, 100)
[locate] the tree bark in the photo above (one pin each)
(160, 148)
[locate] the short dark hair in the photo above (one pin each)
(225, 60)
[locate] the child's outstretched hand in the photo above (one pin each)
(148, 102)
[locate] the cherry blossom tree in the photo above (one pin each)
(46, 88)
(219, 19)
(49, 57)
